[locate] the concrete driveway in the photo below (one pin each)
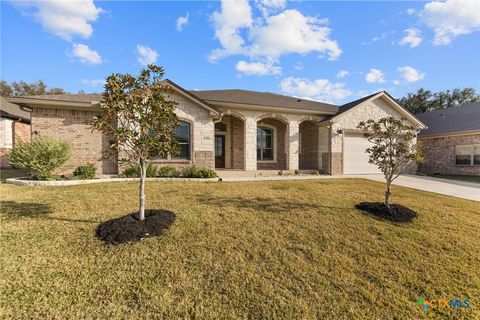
(459, 189)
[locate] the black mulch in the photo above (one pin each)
(396, 213)
(129, 229)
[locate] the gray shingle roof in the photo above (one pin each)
(454, 119)
(73, 97)
(12, 111)
(263, 99)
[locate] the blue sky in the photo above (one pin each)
(328, 51)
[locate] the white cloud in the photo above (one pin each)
(182, 22)
(451, 18)
(64, 19)
(342, 74)
(146, 55)
(257, 68)
(375, 76)
(378, 38)
(267, 7)
(85, 54)
(320, 89)
(235, 14)
(271, 36)
(413, 38)
(94, 82)
(410, 74)
(410, 11)
(396, 82)
(292, 32)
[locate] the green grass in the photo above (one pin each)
(475, 179)
(252, 250)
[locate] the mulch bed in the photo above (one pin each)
(129, 229)
(396, 213)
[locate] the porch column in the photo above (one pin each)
(293, 144)
(250, 144)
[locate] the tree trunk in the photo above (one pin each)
(388, 193)
(143, 173)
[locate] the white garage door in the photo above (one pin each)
(354, 156)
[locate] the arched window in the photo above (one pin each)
(220, 126)
(265, 144)
(182, 135)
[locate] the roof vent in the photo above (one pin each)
(299, 100)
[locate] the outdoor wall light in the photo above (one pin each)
(339, 131)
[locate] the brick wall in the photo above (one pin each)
(309, 135)
(21, 132)
(281, 156)
(237, 144)
(74, 126)
(440, 155)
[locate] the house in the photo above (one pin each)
(451, 143)
(14, 127)
(231, 129)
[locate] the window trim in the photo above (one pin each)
(274, 144)
(472, 155)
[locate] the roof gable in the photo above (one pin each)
(346, 108)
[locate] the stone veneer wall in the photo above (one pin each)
(281, 155)
(375, 109)
(11, 133)
(6, 140)
(440, 155)
(309, 135)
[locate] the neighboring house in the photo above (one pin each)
(232, 129)
(452, 141)
(14, 127)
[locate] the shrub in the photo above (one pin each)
(152, 170)
(41, 156)
(190, 172)
(167, 171)
(206, 173)
(87, 171)
(193, 172)
(131, 172)
(296, 172)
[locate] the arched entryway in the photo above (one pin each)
(272, 144)
(230, 143)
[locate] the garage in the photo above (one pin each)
(355, 158)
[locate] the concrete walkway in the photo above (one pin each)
(459, 189)
(454, 188)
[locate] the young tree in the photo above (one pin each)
(138, 114)
(394, 147)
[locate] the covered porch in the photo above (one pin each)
(270, 143)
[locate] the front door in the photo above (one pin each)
(219, 151)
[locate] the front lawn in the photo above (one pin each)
(249, 250)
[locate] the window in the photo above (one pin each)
(182, 135)
(467, 155)
(265, 144)
(183, 138)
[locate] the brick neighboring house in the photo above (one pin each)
(14, 127)
(231, 129)
(452, 141)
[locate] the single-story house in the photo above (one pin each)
(451, 143)
(232, 129)
(14, 127)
